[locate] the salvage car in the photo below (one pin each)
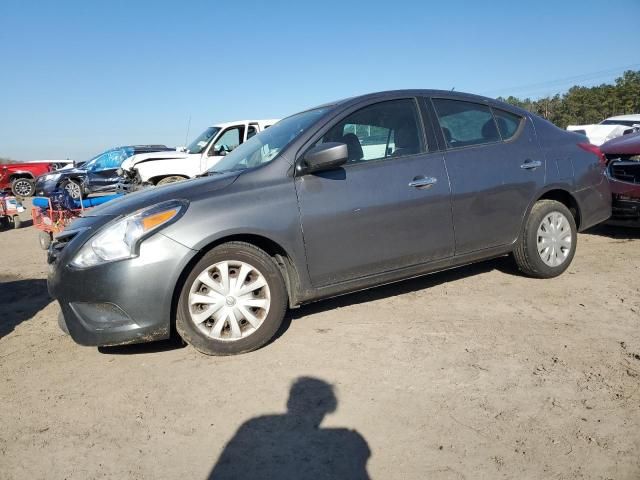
(608, 129)
(19, 177)
(203, 153)
(623, 157)
(93, 176)
(301, 212)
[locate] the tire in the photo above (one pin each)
(44, 238)
(23, 187)
(72, 188)
(214, 335)
(168, 180)
(17, 223)
(547, 256)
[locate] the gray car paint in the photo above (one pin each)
(337, 231)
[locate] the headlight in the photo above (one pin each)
(120, 240)
(635, 157)
(52, 177)
(119, 172)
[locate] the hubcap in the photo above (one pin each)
(554, 239)
(73, 189)
(22, 188)
(229, 300)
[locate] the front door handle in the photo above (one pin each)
(423, 182)
(531, 164)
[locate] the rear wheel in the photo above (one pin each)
(233, 301)
(23, 187)
(548, 243)
(171, 179)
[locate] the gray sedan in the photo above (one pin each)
(343, 197)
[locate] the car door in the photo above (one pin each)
(224, 143)
(387, 208)
(103, 173)
(495, 167)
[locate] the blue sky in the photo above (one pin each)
(79, 77)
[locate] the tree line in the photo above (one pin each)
(586, 105)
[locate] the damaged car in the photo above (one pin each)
(623, 158)
(204, 152)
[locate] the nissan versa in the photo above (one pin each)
(342, 197)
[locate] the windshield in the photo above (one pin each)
(111, 159)
(265, 146)
(200, 143)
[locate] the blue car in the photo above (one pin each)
(100, 174)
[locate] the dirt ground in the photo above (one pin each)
(473, 373)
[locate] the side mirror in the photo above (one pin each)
(325, 156)
(219, 151)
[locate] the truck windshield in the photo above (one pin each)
(201, 142)
(265, 146)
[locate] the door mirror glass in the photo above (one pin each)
(325, 156)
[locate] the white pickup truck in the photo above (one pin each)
(204, 152)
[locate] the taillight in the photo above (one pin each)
(591, 148)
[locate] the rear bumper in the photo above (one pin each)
(128, 301)
(594, 203)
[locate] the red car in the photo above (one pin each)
(20, 177)
(623, 158)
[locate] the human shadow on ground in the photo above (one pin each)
(293, 445)
(20, 300)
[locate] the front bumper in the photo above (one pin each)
(128, 301)
(44, 188)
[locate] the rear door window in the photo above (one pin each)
(465, 124)
(507, 122)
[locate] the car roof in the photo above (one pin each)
(634, 116)
(419, 92)
(269, 121)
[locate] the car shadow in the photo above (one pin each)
(619, 231)
(20, 300)
(293, 444)
(173, 343)
(503, 264)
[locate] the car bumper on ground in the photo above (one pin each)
(128, 301)
(626, 200)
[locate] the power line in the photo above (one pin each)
(533, 87)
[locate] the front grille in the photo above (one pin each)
(625, 171)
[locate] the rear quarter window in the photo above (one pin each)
(465, 123)
(507, 122)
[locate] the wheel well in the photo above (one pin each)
(20, 175)
(567, 200)
(271, 248)
(157, 178)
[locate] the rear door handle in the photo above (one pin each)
(423, 182)
(531, 164)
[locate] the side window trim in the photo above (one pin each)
(354, 108)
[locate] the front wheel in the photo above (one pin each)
(233, 301)
(171, 179)
(548, 242)
(23, 187)
(73, 189)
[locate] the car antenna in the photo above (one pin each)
(186, 137)
(453, 89)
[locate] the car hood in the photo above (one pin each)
(625, 145)
(144, 157)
